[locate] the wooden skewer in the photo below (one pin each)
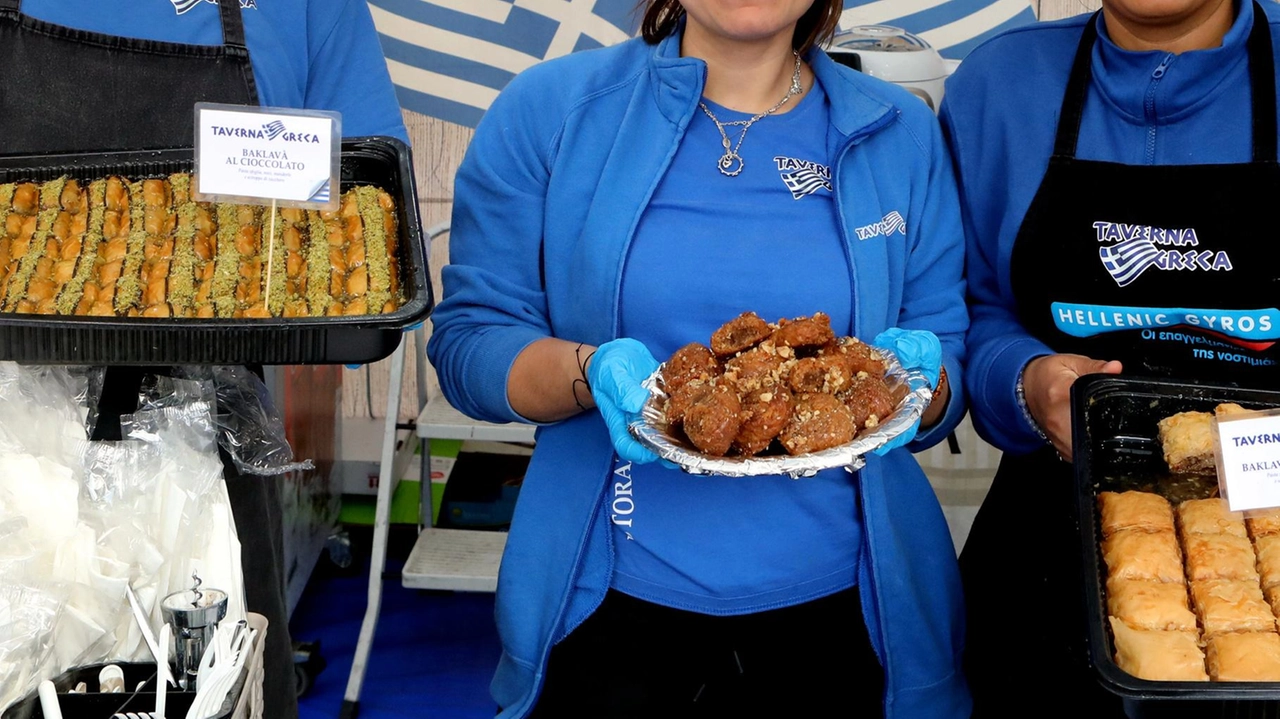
(271, 255)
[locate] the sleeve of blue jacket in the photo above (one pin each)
(999, 347)
(494, 302)
(347, 71)
(934, 287)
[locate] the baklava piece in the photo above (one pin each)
(1219, 556)
(1134, 510)
(1158, 656)
(1134, 554)
(1244, 657)
(1227, 605)
(1263, 522)
(1144, 604)
(1268, 551)
(1210, 516)
(1187, 441)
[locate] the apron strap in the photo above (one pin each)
(232, 26)
(1262, 76)
(1077, 89)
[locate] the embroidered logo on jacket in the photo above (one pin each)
(803, 177)
(1138, 248)
(892, 222)
(624, 503)
(183, 6)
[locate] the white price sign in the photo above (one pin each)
(1249, 460)
(261, 155)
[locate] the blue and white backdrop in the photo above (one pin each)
(450, 58)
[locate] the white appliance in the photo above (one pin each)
(895, 55)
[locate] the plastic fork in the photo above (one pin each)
(225, 671)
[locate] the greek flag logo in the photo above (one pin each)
(183, 6)
(805, 182)
(450, 58)
(892, 222)
(273, 129)
(1126, 261)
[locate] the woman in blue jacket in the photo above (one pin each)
(1113, 171)
(619, 203)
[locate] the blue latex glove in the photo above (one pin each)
(615, 373)
(916, 350)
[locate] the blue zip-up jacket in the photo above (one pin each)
(1000, 114)
(546, 201)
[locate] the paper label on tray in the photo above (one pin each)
(1248, 458)
(260, 155)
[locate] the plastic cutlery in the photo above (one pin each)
(162, 661)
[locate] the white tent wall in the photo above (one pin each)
(960, 480)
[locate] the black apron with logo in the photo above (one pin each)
(1158, 267)
(68, 90)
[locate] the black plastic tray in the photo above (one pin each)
(1116, 448)
(93, 705)
(55, 339)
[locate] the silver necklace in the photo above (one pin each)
(730, 163)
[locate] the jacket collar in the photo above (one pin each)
(1125, 77)
(678, 82)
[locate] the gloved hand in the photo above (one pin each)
(615, 373)
(916, 350)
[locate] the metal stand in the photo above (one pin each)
(381, 527)
(442, 559)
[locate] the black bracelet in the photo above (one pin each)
(582, 370)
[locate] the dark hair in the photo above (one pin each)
(816, 27)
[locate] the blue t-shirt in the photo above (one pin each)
(708, 248)
(312, 54)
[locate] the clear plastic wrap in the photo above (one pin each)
(250, 429)
(28, 619)
(81, 521)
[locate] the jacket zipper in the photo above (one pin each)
(845, 234)
(1150, 105)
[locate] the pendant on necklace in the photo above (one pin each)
(730, 163)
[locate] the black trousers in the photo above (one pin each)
(632, 658)
(1026, 646)
(258, 514)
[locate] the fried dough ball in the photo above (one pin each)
(859, 356)
(693, 361)
(712, 422)
(740, 333)
(682, 399)
(758, 368)
(764, 414)
(820, 421)
(869, 401)
(828, 374)
(804, 332)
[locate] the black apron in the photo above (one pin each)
(68, 90)
(1185, 225)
